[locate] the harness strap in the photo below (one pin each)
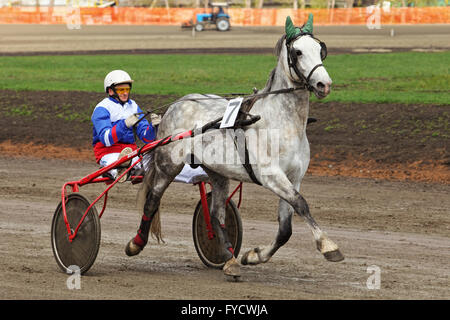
(246, 161)
(248, 167)
(311, 72)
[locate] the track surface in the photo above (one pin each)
(400, 227)
(403, 228)
(58, 38)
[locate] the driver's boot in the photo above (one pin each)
(124, 165)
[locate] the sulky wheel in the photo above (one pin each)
(83, 249)
(208, 250)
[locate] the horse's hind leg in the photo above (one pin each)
(220, 186)
(156, 182)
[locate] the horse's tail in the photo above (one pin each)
(146, 187)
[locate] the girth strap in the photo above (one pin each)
(246, 161)
(248, 167)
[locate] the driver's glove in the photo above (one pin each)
(156, 119)
(131, 120)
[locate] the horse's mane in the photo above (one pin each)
(278, 46)
(277, 52)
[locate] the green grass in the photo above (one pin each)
(410, 77)
(22, 110)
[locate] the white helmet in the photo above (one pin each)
(116, 77)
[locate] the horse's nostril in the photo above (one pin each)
(323, 88)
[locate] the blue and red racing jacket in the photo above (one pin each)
(110, 134)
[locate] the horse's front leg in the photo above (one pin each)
(285, 211)
(262, 255)
(281, 186)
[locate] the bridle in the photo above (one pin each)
(292, 59)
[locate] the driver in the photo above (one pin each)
(113, 119)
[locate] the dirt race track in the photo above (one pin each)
(58, 38)
(401, 227)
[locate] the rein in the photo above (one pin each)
(292, 63)
(226, 96)
(231, 95)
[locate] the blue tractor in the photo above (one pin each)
(217, 17)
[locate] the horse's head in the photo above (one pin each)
(304, 57)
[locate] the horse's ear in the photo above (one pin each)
(290, 29)
(308, 28)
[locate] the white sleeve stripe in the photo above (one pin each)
(107, 142)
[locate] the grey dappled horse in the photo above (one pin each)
(299, 69)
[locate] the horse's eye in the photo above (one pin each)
(298, 52)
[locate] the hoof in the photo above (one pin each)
(232, 270)
(233, 278)
(245, 258)
(334, 256)
(132, 249)
(329, 249)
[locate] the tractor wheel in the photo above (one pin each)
(223, 24)
(199, 27)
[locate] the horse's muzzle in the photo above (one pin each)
(322, 90)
